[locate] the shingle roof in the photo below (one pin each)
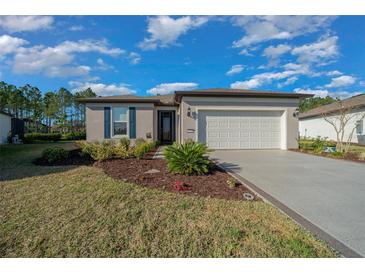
(221, 92)
(168, 99)
(352, 102)
(171, 99)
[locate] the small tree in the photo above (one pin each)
(341, 120)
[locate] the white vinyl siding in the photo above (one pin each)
(240, 129)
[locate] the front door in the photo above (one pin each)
(166, 126)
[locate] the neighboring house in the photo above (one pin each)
(5, 126)
(221, 118)
(312, 123)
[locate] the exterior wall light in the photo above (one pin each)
(189, 112)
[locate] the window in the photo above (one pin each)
(120, 121)
(359, 127)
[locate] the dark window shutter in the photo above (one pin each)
(132, 123)
(106, 122)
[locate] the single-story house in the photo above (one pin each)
(221, 118)
(5, 126)
(312, 123)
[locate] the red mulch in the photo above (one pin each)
(211, 185)
(349, 156)
(74, 158)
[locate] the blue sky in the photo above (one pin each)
(147, 55)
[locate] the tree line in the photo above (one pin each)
(313, 102)
(57, 109)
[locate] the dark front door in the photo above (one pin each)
(166, 126)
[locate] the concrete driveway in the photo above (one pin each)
(325, 195)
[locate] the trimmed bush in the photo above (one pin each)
(140, 141)
(121, 151)
(142, 148)
(55, 154)
(97, 151)
(33, 137)
(187, 159)
(74, 136)
(125, 142)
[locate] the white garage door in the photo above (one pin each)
(240, 129)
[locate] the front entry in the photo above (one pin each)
(166, 126)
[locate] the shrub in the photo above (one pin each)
(32, 137)
(140, 141)
(181, 186)
(121, 151)
(187, 159)
(337, 154)
(81, 135)
(231, 183)
(55, 154)
(361, 155)
(125, 142)
(142, 148)
(97, 151)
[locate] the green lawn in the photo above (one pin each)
(81, 212)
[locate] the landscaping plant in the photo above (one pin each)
(181, 186)
(122, 151)
(33, 137)
(187, 159)
(81, 135)
(142, 148)
(125, 142)
(231, 183)
(55, 154)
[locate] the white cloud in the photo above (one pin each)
(102, 89)
(76, 28)
(58, 61)
(264, 28)
(341, 81)
(288, 82)
(245, 52)
(100, 46)
(134, 58)
(234, 70)
(248, 84)
(324, 92)
(67, 71)
(25, 23)
(164, 31)
(167, 88)
(324, 49)
(334, 73)
(317, 92)
(103, 65)
(9, 44)
(273, 53)
(291, 72)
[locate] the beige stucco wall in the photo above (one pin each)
(286, 105)
(95, 120)
(5, 127)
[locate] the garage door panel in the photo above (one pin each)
(240, 129)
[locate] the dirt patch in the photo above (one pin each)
(349, 156)
(211, 185)
(74, 158)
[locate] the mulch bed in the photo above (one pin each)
(349, 156)
(211, 185)
(74, 158)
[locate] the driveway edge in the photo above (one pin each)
(321, 234)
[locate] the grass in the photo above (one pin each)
(81, 212)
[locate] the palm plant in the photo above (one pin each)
(187, 159)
